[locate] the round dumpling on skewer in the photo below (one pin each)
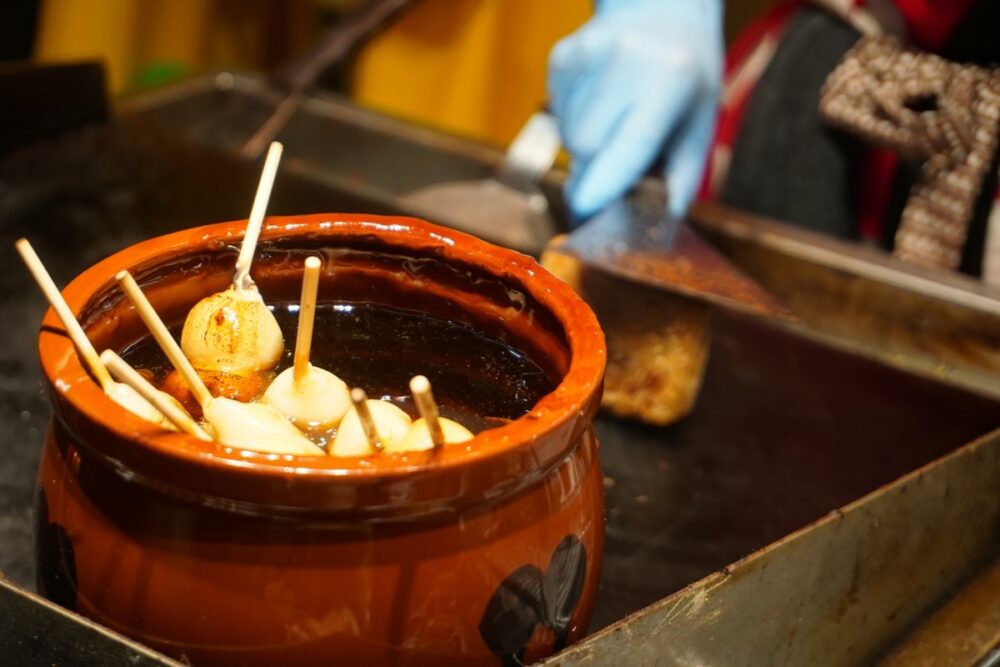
(253, 426)
(418, 436)
(317, 402)
(314, 399)
(380, 427)
(257, 427)
(234, 331)
(431, 430)
(244, 388)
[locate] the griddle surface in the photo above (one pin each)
(785, 431)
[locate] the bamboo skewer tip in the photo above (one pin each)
(420, 387)
(360, 400)
(307, 318)
(241, 279)
(163, 337)
(55, 298)
(419, 384)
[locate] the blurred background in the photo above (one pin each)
(411, 70)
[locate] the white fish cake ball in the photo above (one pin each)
(257, 427)
(418, 436)
(317, 402)
(390, 422)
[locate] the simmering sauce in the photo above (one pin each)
(478, 381)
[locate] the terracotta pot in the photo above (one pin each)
(485, 554)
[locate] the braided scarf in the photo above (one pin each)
(926, 108)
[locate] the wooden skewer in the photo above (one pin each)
(307, 315)
(128, 375)
(242, 278)
(359, 399)
(162, 336)
(83, 345)
(420, 387)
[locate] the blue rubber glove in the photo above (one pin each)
(640, 79)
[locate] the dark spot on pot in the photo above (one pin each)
(56, 565)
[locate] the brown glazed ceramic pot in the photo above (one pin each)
(487, 554)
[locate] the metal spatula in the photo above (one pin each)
(636, 239)
(508, 208)
(633, 238)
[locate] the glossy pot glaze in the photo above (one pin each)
(480, 554)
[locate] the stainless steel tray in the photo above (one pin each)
(844, 591)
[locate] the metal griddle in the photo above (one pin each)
(788, 427)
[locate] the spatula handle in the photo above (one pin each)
(534, 149)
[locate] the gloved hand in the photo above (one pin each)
(640, 79)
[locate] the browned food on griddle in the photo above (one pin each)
(657, 342)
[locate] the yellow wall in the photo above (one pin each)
(134, 37)
(474, 67)
(471, 67)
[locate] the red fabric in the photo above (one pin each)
(747, 41)
(731, 112)
(878, 172)
(931, 22)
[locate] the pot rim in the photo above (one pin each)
(508, 456)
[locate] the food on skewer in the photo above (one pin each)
(234, 331)
(247, 425)
(131, 400)
(431, 430)
(314, 399)
(388, 424)
(122, 394)
(360, 400)
(418, 436)
(243, 388)
(256, 426)
(165, 403)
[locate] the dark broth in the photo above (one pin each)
(478, 380)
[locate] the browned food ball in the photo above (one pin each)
(244, 388)
(234, 332)
(175, 385)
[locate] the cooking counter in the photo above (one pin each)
(786, 430)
